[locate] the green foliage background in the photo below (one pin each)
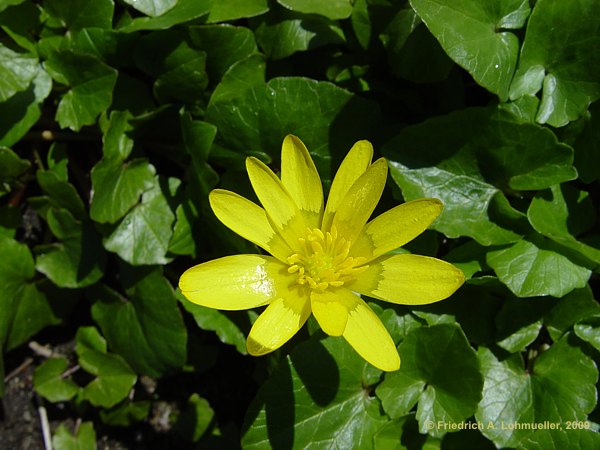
(118, 117)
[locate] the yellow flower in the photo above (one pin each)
(323, 256)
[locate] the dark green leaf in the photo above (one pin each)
(114, 378)
(562, 438)
(183, 11)
(475, 36)
(126, 414)
(587, 146)
(195, 418)
(559, 57)
(83, 439)
(333, 9)
(225, 10)
(78, 260)
(440, 371)
(146, 327)
(315, 398)
(11, 166)
(91, 82)
(49, 382)
(152, 7)
(578, 305)
(532, 267)
(78, 14)
(62, 194)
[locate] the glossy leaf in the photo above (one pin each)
(78, 14)
(227, 10)
(49, 382)
(333, 9)
(152, 8)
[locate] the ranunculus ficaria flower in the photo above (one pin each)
(324, 257)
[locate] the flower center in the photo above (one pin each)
(323, 260)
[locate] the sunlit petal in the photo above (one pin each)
(409, 279)
(353, 166)
(331, 314)
(235, 282)
(281, 209)
(367, 335)
(301, 179)
(396, 227)
(279, 322)
(249, 221)
(360, 201)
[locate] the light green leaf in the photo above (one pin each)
(561, 439)
(589, 331)
(559, 388)
(182, 242)
(183, 11)
(152, 7)
(317, 398)
(78, 260)
(532, 267)
(573, 307)
(91, 82)
(145, 327)
(475, 36)
(49, 382)
(83, 439)
(143, 235)
(118, 187)
(227, 10)
(560, 57)
(17, 70)
(282, 33)
(78, 14)
(333, 9)
(440, 371)
(114, 378)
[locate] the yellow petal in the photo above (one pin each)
(409, 279)
(396, 227)
(279, 322)
(301, 179)
(281, 209)
(329, 311)
(360, 201)
(249, 221)
(235, 282)
(353, 166)
(367, 335)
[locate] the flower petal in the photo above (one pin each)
(300, 177)
(367, 335)
(331, 314)
(353, 166)
(249, 221)
(281, 209)
(396, 227)
(360, 201)
(235, 282)
(279, 322)
(409, 279)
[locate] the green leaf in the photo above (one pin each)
(126, 413)
(440, 371)
(79, 259)
(315, 398)
(143, 235)
(560, 388)
(559, 57)
(475, 36)
(333, 9)
(178, 68)
(152, 7)
(253, 115)
(587, 146)
(114, 378)
(589, 331)
(195, 418)
(210, 319)
(83, 439)
(573, 307)
(183, 11)
(78, 14)
(224, 44)
(226, 10)
(146, 327)
(62, 194)
(91, 82)
(49, 382)
(17, 71)
(465, 158)
(10, 220)
(118, 186)
(11, 167)
(561, 439)
(563, 213)
(519, 323)
(532, 267)
(282, 33)
(182, 242)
